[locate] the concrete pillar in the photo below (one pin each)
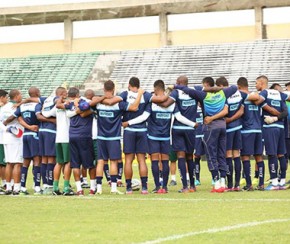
(259, 24)
(163, 29)
(68, 35)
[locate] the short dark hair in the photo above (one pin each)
(109, 85)
(208, 80)
(222, 81)
(13, 93)
(262, 77)
(134, 82)
(73, 92)
(159, 84)
(274, 85)
(243, 82)
(287, 84)
(3, 93)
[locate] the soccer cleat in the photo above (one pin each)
(120, 184)
(243, 182)
(129, 191)
(229, 189)
(212, 182)
(272, 188)
(15, 193)
(160, 191)
(197, 183)
(144, 191)
(85, 185)
(283, 187)
(56, 193)
(255, 182)
(47, 191)
(80, 193)
(117, 192)
(248, 188)
(173, 183)
(237, 188)
(192, 189)
(8, 192)
(155, 190)
(165, 190)
(183, 190)
(92, 192)
(260, 188)
(36, 193)
(23, 193)
(2, 192)
(68, 193)
(218, 190)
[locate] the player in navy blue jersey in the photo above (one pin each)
(273, 132)
(109, 134)
(159, 124)
(29, 121)
(214, 128)
(234, 139)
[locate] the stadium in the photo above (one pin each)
(88, 62)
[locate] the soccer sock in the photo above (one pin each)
(99, 180)
(261, 170)
(50, 168)
(182, 171)
(238, 169)
(106, 171)
(256, 171)
(93, 184)
(128, 183)
(43, 173)
(8, 186)
(144, 181)
(17, 187)
(155, 172)
(165, 167)
(85, 180)
(283, 166)
(79, 185)
(223, 182)
(173, 177)
(215, 175)
(120, 170)
(273, 164)
(190, 166)
(247, 171)
(230, 172)
(23, 176)
(114, 183)
(197, 168)
(37, 175)
(55, 185)
(66, 186)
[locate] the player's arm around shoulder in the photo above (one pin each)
(134, 106)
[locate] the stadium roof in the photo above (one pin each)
(56, 13)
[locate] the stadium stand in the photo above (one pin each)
(46, 71)
(250, 59)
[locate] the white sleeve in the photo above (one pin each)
(139, 119)
(2, 127)
(184, 120)
(70, 113)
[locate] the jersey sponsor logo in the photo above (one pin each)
(234, 107)
(199, 120)
(275, 103)
(106, 114)
(235, 98)
(26, 115)
(163, 115)
(253, 108)
(188, 103)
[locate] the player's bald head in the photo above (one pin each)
(182, 80)
(34, 92)
(89, 94)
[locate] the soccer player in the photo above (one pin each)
(62, 146)
(172, 159)
(273, 132)
(109, 134)
(26, 113)
(159, 124)
(13, 146)
(234, 138)
(80, 139)
(214, 128)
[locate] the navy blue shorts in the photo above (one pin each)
(31, 145)
(199, 147)
(159, 146)
(135, 142)
(109, 150)
(47, 144)
(234, 140)
(252, 144)
(81, 152)
(274, 139)
(183, 140)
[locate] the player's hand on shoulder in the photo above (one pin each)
(207, 120)
(141, 91)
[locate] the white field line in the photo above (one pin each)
(130, 198)
(215, 230)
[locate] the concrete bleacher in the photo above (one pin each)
(46, 71)
(250, 59)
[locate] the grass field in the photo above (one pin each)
(201, 217)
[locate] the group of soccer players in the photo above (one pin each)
(68, 133)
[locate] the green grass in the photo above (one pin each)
(138, 218)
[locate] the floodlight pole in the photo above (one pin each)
(260, 32)
(68, 35)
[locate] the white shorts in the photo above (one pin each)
(13, 153)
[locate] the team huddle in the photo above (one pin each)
(72, 134)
